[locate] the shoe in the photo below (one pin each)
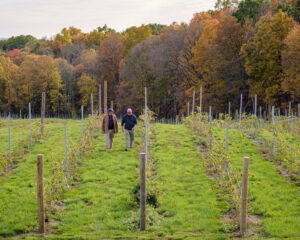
(126, 149)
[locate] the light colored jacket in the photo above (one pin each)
(105, 123)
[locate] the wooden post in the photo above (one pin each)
(193, 106)
(200, 103)
(244, 200)
(99, 105)
(188, 109)
(92, 105)
(43, 112)
(142, 192)
(240, 119)
(40, 193)
(299, 110)
(30, 125)
(112, 104)
(82, 132)
(66, 149)
(105, 97)
(229, 113)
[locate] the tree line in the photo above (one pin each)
(251, 47)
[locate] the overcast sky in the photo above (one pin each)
(47, 17)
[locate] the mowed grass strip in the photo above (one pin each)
(18, 197)
(188, 202)
(103, 204)
(270, 195)
(98, 208)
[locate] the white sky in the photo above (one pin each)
(47, 17)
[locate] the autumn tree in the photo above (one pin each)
(41, 74)
(262, 57)
(291, 64)
(136, 74)
(86, 85)
(217, 61)
(9, 76)
(109, 57)
(134, 35)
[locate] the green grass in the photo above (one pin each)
(19, 130)
(18, 204)
(102, 203)
(103, 206)
(270, 195)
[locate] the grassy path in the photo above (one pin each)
(188, 201)
(18, 204)
(101, 204)
(270, 195)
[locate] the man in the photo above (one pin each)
(109, 127)
(129, 120)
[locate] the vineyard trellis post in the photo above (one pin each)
(30, 124)
(226, 147)
(289, 115)
(82, 130)
(209, 120)
(244, 200)
(99, 105)
(260, 116)
(43, 112)
(9, 138)
(193, 106)
(240, 117)
(255, 105)
(40, 193)
(142, 192)
(105, 97)
(92, 105)
(200, 103)
(146, 125)
(273, 125)
(66, 149)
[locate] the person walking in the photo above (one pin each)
(129, 121)
(109, 127)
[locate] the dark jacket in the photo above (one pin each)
(129, 121)
(106, 121)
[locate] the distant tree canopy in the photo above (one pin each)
(249, 10)
(250, 47)
(16, 42)
(156, 28)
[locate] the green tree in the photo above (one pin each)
(248, 10)
(17, 42)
